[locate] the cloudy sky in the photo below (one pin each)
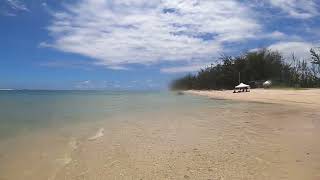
(141, 44)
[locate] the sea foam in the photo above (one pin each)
(98, 135)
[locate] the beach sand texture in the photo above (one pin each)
(306, 98)
(242, 141)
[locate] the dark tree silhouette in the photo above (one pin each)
(315, 56)
(254, 67)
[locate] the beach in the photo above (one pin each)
(165, 136)
(305, 98)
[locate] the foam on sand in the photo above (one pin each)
(98, 135)
(73, 144)
(64, 160)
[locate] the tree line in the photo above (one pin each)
(254, 68)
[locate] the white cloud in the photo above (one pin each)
(183, 69)
(276, 35)
(12, 7)
(118, 33)
(87, 84)
(93, 85)
(300, 49)
(302, 9)
(17, 5)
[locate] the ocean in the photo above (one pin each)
(31, 110)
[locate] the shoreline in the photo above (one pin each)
(188, 138)
(309, 98)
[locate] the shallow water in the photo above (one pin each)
(24, 111)
(153, 135)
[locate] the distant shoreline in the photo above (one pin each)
(306, 98)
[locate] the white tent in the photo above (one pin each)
(241, 85)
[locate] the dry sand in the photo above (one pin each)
(306, 98)
(235, 141)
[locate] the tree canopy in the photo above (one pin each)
(254, 67)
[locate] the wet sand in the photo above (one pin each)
(236, 141)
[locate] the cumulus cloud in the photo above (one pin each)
(119, 33)
(302, 9)
(300, 49)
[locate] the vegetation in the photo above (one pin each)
(315, 56)
(255, 67)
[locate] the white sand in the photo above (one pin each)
(305, 98)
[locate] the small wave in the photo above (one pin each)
(98, 135)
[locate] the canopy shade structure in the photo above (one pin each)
(241, 85)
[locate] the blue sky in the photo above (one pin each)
(141, 44)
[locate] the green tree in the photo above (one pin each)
(253, 66)
(315, 55)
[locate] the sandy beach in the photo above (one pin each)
(306, 98)
(192, 137)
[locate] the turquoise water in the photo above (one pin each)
(25, 111)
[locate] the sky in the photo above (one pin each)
(141, 44)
